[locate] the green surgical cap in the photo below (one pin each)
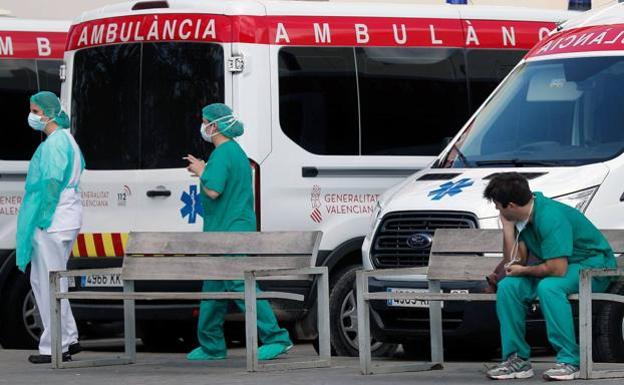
(227, 123)
(51, 107)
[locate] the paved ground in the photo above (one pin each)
(172, 368)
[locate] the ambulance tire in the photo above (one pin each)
(163, 336)
(20, 325)
(343, 318)
(608, 333)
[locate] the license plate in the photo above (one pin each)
(408, 302)
(102, 280)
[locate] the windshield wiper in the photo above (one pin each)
(460, 155)
(515, 162)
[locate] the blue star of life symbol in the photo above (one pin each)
(192, 205)
(450, 189)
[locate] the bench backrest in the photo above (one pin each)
(457, 254)
(215, 255)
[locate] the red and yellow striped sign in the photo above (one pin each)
(100, 245)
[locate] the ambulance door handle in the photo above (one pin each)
(158, 193)
(12, 177)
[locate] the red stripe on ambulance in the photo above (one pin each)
(585, 39)
(32, 45)
(310, 31)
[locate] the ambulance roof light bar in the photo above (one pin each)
(579, 5)
(150, 5)
(457, 1)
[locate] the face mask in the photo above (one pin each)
(204, 135)
(34, 121)
(208, 138)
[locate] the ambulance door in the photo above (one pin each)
(102, 85)
(190, 75)
(350, 122)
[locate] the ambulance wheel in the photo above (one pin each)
(343, 318)
(164, 336)
(608, 331)
(20, 323)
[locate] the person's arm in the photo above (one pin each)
(556, 267)
(212, 194)
(197, 167)
(54, 162)
(509, 239)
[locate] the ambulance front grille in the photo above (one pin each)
(390, 247)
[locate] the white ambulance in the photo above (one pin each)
(340, 101)
(558, 118)
(30, 58)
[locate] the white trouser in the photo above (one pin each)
(50, 253)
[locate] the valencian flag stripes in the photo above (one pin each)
(100, 245)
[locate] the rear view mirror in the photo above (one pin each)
(551, 85)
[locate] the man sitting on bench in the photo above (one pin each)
(563, 241)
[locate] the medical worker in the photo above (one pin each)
(564, 242)
(50, 216)
(228, 204)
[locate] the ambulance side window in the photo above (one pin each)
(190, 76)
(105, 106)
(18, 81)
(411, 99)
(318, 99)
(486, 69)
(48, 75)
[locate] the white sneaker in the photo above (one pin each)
(562, 372)
(514, 367)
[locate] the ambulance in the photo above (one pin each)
(340, 102)
(558, 119)
(31, 53)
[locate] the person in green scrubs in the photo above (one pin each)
(228, 204)
(563, 242)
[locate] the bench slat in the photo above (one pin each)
(460, 267)
(149, 296)
(491, 241)
(220, 243)
(203, 268)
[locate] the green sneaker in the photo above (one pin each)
(271, 351)
(198, 354)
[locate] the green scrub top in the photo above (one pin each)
(228, 172)
(558, 230)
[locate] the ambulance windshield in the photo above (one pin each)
(562, 112)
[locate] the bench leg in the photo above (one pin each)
(435, 325)
(363, 316)
(585, 325)
(129, 322)
(55, 322)
(323, 317)
(251, 328)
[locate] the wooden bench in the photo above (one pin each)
(248, 256)
(458, 255)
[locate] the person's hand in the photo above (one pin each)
(507, 224)
(196, 166)
(515, 270)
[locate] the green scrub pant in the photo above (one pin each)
(212, 314)
(515, 295)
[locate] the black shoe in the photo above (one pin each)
(46, 359)
(75, 348)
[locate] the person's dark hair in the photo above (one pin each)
(508, 187)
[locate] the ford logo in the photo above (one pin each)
(419, 241)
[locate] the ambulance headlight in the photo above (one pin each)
(374, 218)
(578, 199)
